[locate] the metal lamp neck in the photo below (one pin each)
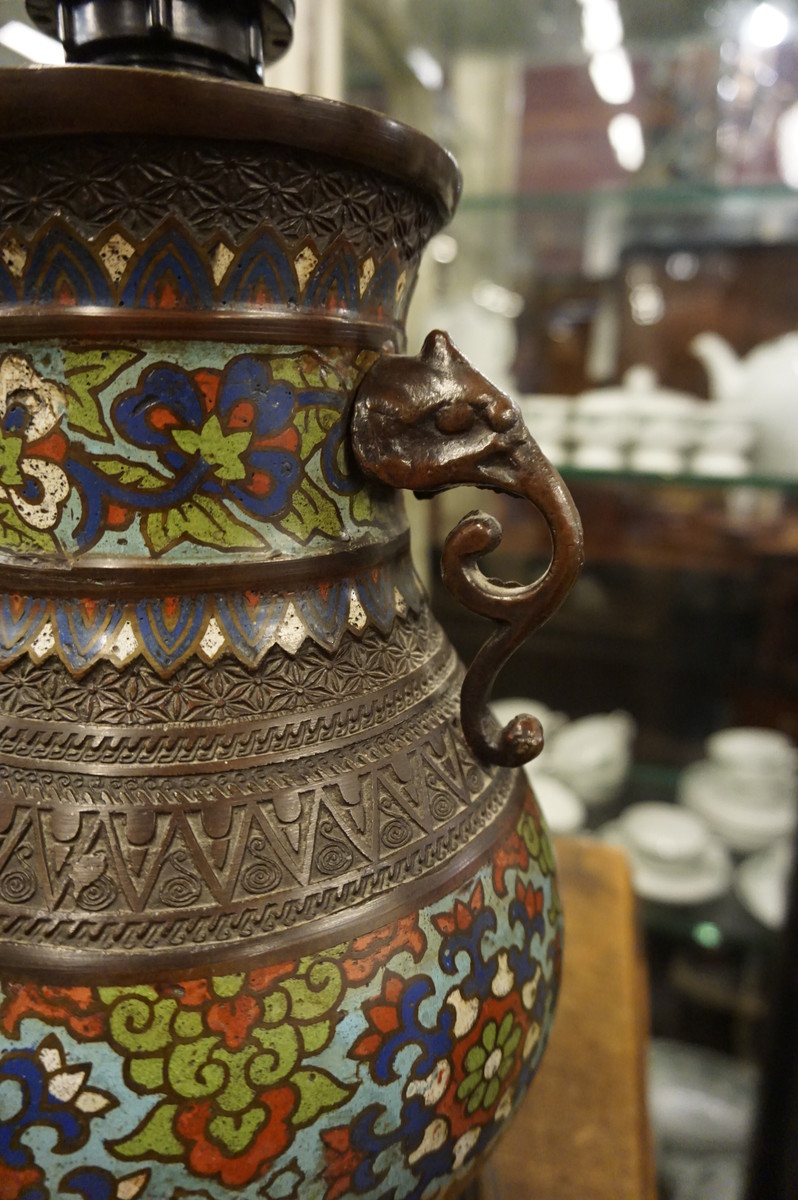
(230, 38)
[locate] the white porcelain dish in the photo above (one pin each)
(708, 877)
(752, 748)
(761, 883)
(593, 754)
(564, 811)
(667, 835)
(746, 818)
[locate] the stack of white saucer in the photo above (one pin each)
(746, 789)
(674, 856)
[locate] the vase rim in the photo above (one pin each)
(44, 101)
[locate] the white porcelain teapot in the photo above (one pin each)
(763, 385)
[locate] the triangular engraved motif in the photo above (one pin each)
(78, 840)
(262, 868)
(292, 841)
(441, 755)
(350, 800)
(16, 878)
(181, 883)
(400, 799)
(334, 852)
(93, 873)
(137, 857)
(137, 860)
(13, 833)
(222, 855)
(60, 854)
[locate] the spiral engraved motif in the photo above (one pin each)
(183, 888)
(442, 806)
(261, 877)
(396, 833)
(19, 884)
(334, 858)
(98, 894)
(264, 875)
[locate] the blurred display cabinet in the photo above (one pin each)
(626, 250)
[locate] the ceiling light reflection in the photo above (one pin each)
(611, 75)
(767, 26)
(602, 27)
(626, 138)
(426, 68)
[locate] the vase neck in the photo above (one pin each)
(234, 39)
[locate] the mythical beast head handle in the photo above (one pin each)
(432, 422)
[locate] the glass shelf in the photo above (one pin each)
(683, 480)
(682, 195)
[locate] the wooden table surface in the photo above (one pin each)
(582, 1132)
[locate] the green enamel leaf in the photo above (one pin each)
(237, 1133)
(154, 1137)
(505, 1028)
(362, 509)
(238, 1094)
(109, 994)
(314, 424)
(489, 1035)
(16, 535)
(130, 474)
(476, 1097)
(87, 372)
(468, 1084)
(188, 1024)
(203, 520)
(512, 1043)
(221, 451)
(316, 993)
(10, 453)
(142, 1027)
(275, 1008)
(228, 985)
(318, 1092)
(492, 1092)
(312, 512)
(307, 371)
(475, 1058)
(529, 834)
(316, 1036)
(147, 1073)
(280, 1055)
(192, 1073)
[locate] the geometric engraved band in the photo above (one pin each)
(217, 830)
(210, 718)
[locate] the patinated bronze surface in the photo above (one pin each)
(274, 919)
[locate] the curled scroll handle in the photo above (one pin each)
(432, 422)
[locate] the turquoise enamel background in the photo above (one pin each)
(382, 1066)
(183, 452)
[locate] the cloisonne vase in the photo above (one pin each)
(278, 914)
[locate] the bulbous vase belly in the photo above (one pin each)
(298, 967)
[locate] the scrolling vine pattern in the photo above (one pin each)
(385, 1065)
(158, 450)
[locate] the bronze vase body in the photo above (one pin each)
(271, 923)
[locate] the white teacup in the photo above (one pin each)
(668, 837)
(753, 749)
(592, 754)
